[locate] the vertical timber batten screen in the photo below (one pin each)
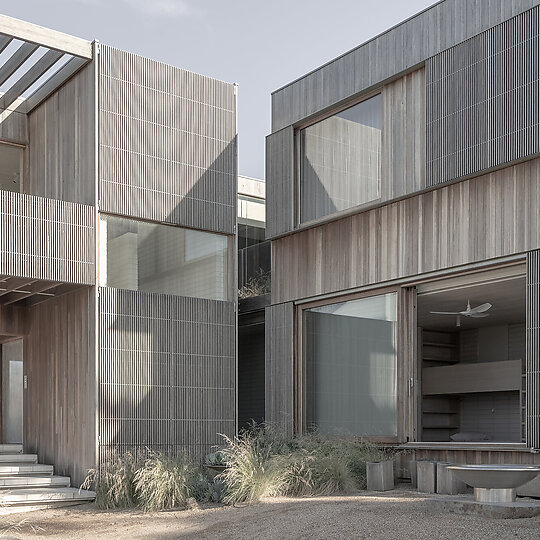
(279, 365)
(167, 143)
(46, 239)
(483, 100)
(533, 350)
(166, 372)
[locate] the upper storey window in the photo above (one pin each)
(11, 165)
(340, 160)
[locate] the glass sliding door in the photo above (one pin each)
(350, 367)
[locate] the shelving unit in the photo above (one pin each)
(440, 414)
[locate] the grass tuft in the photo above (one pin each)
(113, 482)
(164, 482)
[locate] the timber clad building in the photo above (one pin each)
(403, 193)
(117, 267)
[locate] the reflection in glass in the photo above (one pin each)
(350, 367)
(340, 160)
(158, 258)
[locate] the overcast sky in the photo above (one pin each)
(261, 45)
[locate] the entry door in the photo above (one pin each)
(12, 392)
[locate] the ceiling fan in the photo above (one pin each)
(475, 312)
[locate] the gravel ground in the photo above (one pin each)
(399, 514)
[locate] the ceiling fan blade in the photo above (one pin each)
(478, 315)
(481, 308)
(445, 312)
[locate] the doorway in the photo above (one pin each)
(12, 392)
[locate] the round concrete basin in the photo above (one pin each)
(495, 476)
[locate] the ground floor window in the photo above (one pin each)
(350, 367)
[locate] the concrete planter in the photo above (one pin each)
(380, 475)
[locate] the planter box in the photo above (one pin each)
(380, 475)
(426, 476)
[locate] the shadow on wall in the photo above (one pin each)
(167, 363)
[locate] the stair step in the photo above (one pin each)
(16, 482)
(11, 448)
(36, 496)
(18, 458)
(25, 469)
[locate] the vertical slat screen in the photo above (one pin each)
(279, 344)
(483, 100)
(46, 239)
(280, 192)
(167, 377)
(167, 143)
(533, 350)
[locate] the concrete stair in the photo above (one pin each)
(24, 481)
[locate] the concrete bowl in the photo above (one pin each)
(495, 476)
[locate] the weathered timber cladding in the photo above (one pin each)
(59, 403)
(483, 100)
(167, 143)
(166, 372)
(280, 182)
(46, 239)
(403, 168)
(491, 216)
(61, 148)
(279, 344)
(532, 355)
(398, 50)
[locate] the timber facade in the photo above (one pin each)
(117, 263)
(403, 211)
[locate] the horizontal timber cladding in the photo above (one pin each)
(279, 370)
(483, 100)
(398, 50)
(60, 401)
(167, 372)
(494, 215)
(533, 350)
(167, 143)
(46, 239)
(61, 149)
(280, 176)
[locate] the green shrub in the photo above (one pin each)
(113, 482)
(164, 482)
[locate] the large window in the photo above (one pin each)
(11, 165)
(350, 367)
(160, 258)
(340, 160)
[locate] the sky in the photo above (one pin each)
(260, 45)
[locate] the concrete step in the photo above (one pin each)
(25, 469)
(46, 496)
(16, 482)
(18, 458)
(11, 448)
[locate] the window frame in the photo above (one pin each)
(297, 165)
(24, 149)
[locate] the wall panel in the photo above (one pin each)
(61, 147)
(167, 143)
(483, 100)
(399, 49)
(280, 176)
(404, 136)
(279, 368)
(167, 372)
(491, 216)
(533, 350)
(46, 239)
(59, 403)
